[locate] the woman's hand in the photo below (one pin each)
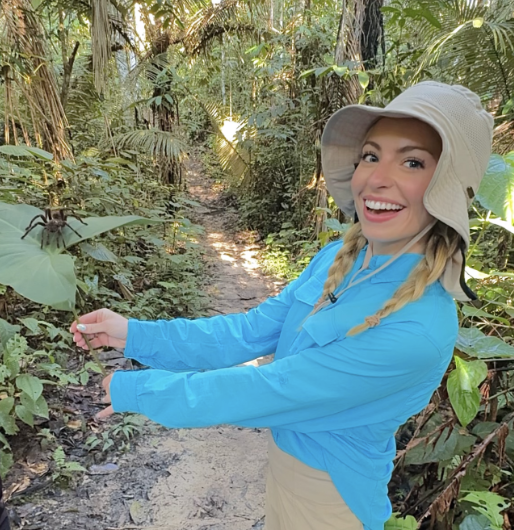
(108, 411)
(103, 328)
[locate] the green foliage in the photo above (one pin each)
(401, 523)
(496, 192)
(463, 388)
(287, 252)
(490, 505)
(117, 436)
(64, 469)
(45, 275)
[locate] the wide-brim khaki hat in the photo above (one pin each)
(466, 130)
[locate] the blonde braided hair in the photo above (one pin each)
(354, 242)
(443, 242)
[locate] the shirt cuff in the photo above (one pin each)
(134, 330)
(123, 390)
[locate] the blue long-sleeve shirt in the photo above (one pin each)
(332, 401)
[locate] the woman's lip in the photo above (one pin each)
(380, 217)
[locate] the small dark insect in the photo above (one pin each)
(53, 222)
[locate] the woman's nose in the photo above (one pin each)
(380, 177)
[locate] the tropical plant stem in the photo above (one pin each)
(93, 352)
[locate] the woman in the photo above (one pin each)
(361, 339)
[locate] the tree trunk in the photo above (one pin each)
(37, 82)
(359, 35)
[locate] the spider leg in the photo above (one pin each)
(77, 217)
(44, 234)
(29, 228)
(37, 217)
(71, 228)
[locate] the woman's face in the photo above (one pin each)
(398, 159)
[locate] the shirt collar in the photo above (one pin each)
(398, 271)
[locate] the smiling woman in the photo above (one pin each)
(361, 339)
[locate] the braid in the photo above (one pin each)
(354, 242)
(442, 244)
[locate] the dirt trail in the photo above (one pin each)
(201, 479)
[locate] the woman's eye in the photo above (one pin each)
(414, 164)
(369, 157)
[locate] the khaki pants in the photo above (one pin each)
(299, 497)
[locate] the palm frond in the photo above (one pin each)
(153, 142)
(474, 44)
(233, 159)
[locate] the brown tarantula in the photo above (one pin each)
(53, 222)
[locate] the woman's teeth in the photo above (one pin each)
(375, 205)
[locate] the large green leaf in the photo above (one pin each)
(46, 275)
(496, 192)
(462, 388)
(473, 342)
(7, 422)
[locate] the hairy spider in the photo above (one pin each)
(53, 222)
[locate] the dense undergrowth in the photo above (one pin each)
(145, 272)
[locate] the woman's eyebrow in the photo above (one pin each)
(408, 148)
(404, 149)
(370, 142)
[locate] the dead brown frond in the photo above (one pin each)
(29, 70)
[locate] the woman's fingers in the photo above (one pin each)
(96, 341)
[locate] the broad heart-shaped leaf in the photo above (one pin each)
(31, 385)
(46, 275)
(25, 415)
(462, 388)
(496, 192)
(38, 407)
(473, 342)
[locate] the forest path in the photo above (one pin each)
(198, 479)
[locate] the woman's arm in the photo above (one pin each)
(220, 341)
(315, 383)
(212, 342)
